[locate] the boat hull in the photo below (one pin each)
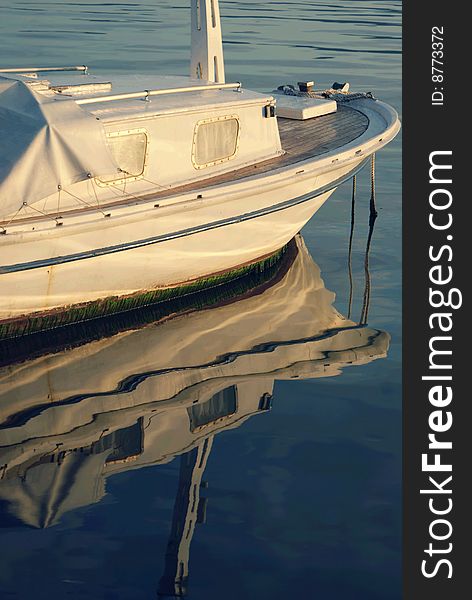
(62, 267)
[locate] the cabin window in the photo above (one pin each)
(123, 445)
(223, 404)
(129, 150)
(215, 141)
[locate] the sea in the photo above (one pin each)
(180, 460)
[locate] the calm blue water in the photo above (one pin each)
(304, 500)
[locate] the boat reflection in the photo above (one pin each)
(142, 397)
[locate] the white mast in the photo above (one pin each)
(207, 60)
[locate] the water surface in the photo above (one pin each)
(303, 499)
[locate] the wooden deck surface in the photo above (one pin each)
(307, 139)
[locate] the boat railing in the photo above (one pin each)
(147, 94)
(82, 68)
(144, 94)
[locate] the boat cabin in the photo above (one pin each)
(154, 133)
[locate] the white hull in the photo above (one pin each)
(155, 242)
(154, 265)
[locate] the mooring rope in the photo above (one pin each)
(351, 237)
(373, 214)
(331, 94)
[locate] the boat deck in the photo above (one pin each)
(300, 140)
(308, 139)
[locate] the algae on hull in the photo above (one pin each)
(74, 325)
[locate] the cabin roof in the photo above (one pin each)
(74, 86)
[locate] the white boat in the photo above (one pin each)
(114, 188)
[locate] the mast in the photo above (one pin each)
(207, 60)
(189, 510)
